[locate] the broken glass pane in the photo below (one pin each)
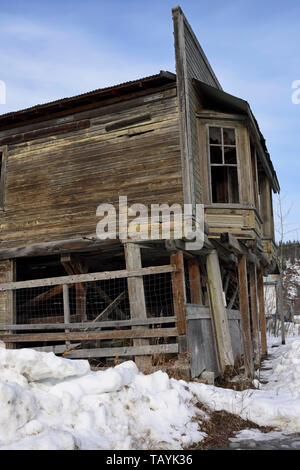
(215, 135)
(229, 136)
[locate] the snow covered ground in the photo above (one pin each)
(275, 403)
(47, 402)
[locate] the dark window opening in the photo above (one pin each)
(223, 165)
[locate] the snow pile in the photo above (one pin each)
(47, 402)
(276, 403)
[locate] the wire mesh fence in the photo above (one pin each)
(88, 301)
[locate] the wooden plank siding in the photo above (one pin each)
(55, 182)
(191, 63)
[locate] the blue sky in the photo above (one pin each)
(53, 49)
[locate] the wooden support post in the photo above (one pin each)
(254, 313)
(179, 298)
(244, 308)
(195, 281)
(136, 297)
(73, 266)
(219, 314)
(66, 308)
(262, 317)
(8, 298)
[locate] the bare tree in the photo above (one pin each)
(282, 213)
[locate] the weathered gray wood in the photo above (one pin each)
(196, 312)
(66, 301)
(201, 343)
(219, 315)
(136, 294)
(53, 281)
(254, 313)
(244, 308)
(83, 336)
(90, 325)
(262, 316)
(125, 351)
(108, 300)
(3, 154)
(201, 346)
(110, 308)
(232, 300)
(191, 62)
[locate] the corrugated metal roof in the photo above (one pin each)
(161, 78)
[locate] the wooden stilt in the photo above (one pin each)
(219, 314)
(254, 313)
(262, 317)
(244, 308)
(195, 281)
(179, 298)
(136, 297)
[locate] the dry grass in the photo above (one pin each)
(221, 427)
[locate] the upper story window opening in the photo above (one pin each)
(223, 165)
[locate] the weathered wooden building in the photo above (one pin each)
(161, 139)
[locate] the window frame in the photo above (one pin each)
(235, 165)
(3, 152)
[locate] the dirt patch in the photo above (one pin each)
(221, 427)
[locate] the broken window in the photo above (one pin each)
(223, 165)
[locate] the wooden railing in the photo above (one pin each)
(154, 329)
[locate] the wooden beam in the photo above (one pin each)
(108, 300)
(262, 316)
(219, 314)
(244, 309)
(136, 295)
(44, 296)
(53, 281)
(195, 281)
(254, 313)
(91, 325)
(232, 300)
(110, 308)
(125, 351)
(90, 335)
(230, 242)
(179, 294)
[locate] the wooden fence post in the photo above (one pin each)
(244, 308)
(219, 314)
(262, 317)
(179, 298)
(254, 313)
(66, 301)
(136, 297)
(8, 298)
